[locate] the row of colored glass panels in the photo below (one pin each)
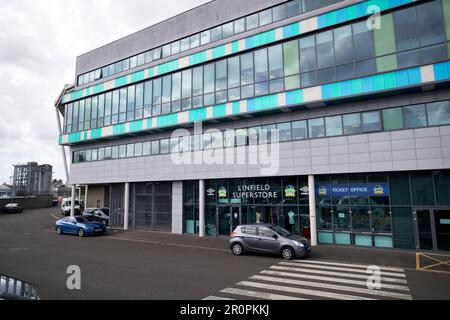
(370, 84)
(323, 21)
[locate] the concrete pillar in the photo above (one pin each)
(126, 206)
(201, 202)
(72, 202)
(312, 210)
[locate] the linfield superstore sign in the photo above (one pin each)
(255, 191)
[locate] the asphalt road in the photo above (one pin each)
(147, 267)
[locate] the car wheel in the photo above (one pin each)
(81, 233)
(59, 231)
(288, 253)
(237, 249)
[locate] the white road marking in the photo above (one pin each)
(314, 293)
(331, 273)
(301, 264)
(335, 287)
(214, 298)
(328, 279)
(258, 294)
(350, 265)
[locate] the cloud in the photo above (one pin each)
(39, 42)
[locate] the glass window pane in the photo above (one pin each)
(308, 58)
(406, 29)
(227, 30)
(141, 59)
(438, 113)
(326, 75)
(234, 79)
(148, 93)
(176, 86)
(216, 34)
(210, 78)
(352, 123)
(205, 37)
(138, 150)
(175, 47)
(363, 41)
(166, 89)
(265, 17)
(139, 95)
(393, 119)
(194, 41)
(431, 23)
(261, 68)
(197, 83)
(361, 220)
(157, 91)
(247, 69)
(252, 21)
(333, 126)
(276, 85)
(276, 62)
(343, 45)
(292, 82)
(409, 59)
(261, 88)
(166, 50)
(164, 146)
(155, 147)
(184, 44)
(345, 72)
(239, 26)
(123, 151)
(366, 67)
(415, 116)
(221, 75)
(299, 130)
(157, 54)
(284, 131)
(248, 91)
(146, 149)
(309, 79)
(293, 8)
(325, 50)
(316, 128)
(130, 150)
(291, 58)
(422, 189)
(279, 13)
(371, 121)
(433, 54)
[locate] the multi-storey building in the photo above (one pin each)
(31, 179)
(356, 93)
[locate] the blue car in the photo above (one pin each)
(80, 226)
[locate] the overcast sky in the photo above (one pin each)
(39, 41)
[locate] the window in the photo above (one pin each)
(326, 75)
(122, 151)
(309, 79)
(364, 44)
(146, 149)
(186, 91)
(221, 75)
(209, 78)
(166, 89)
(279, 13)
(284, 131)
(175, 47)
(216, 34)
(316, 128)
(247, 69)
(293, 8)
(406, 33)
(265, 17)
(261, 68)
(166, 50)
(155, 147)
(346, 71)
(366, 67)
(205, 37)
(308, 61)
(233, 72)
(352, 123)
(371, 121)
(299, 130)
(333, 126)
(433, 54)
(343, 45)
(291, 58)
(431, 23)
(138, 150)
(409, 58)
(276, 62)
(361, 220)
(164, 146)
(438, 113)
(266, 233)
(415, 116)
(184, 44)
(325, 51)
(227, 30)
(157, 91)
(194, 41)
(197, 83)
(252, 21)
(239, 26)
(393, 119)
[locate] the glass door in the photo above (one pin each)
(442, 223)
(224, 221)
(235, 218)
(424, 229)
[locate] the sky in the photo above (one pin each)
(39, 43)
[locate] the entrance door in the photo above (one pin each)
(424, 229)
(442, 223)
(228, 218)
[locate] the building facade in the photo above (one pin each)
(329, 118)
(32, 179)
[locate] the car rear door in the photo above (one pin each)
(250, 237)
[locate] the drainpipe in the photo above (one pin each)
(312, 210)
(126, 206)
(202, 208)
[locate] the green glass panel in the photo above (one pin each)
(446, 5)
(422, 187)
(400, 189)
(387, 63)
(291, 58)
(385, 37)
(442, 183)
(393, 119)
(402, 221)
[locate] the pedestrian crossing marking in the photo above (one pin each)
(308, 279)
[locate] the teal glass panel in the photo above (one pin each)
(236, 107)
(325, 238)
(119, 129)
(363, 240)
(119, 82)
(138, 76)
(136, 126)
(96, 133)
(197, 114)
(168, 120)
(220, 110)
(197, 58)
(384, 242)
(218, 52)
(342, 238)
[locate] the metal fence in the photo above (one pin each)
(433, 262)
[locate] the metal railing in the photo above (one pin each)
(432, 262)
(14, 289)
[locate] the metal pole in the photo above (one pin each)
(63, 151)
(312, 210)
(72, 203)
(86, 197)
(201, 192)
(126, 206)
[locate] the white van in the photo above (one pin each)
(66, 207)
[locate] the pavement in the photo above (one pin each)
(138, 265)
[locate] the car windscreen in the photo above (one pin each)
(281, 231)
(83, 220)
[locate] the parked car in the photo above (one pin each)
(66, 207)
(97, 215)
(270, 239)
(81, 226)
(13, 208)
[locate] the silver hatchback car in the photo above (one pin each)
(267, 238)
